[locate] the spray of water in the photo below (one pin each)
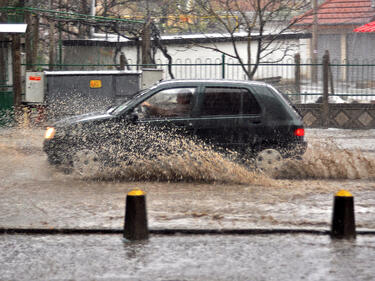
(328, 161)
(165, 156)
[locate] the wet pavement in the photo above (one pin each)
(36, 195)
(107, 257)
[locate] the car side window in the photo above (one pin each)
(229, 101)
(175, 102)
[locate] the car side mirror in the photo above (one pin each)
(133, 116)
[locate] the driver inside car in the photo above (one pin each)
(181, 107)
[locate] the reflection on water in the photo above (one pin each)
(212, 257)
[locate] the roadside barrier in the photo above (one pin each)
(343, 219)
(136, 228)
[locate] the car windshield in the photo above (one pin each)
(114, 110)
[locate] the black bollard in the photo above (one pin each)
(343, 220)
(135, 227)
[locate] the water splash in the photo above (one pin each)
(167, 157)
(185, 160)
(199, 163)
(328, 161)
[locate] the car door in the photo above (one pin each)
(229, 116)
(169, 110)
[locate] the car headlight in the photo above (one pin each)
(49, 133)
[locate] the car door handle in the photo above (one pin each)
(256, 122)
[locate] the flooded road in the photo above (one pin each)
(35, 194)
(298, 196)
(106, 257)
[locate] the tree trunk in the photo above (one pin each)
(51, 45)
(28, 43)
(16, 61)
(35, 39)
(249, 56)
(146, 45)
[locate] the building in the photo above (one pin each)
(197, 50)
(336, 20)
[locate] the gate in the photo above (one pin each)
(6, 105)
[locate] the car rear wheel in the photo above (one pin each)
(86, 163)
(268, 160)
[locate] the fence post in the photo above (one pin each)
(223, 66)
(297, 75)
(122, 61)
(325, 102)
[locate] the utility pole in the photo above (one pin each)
(32, 37)
(16, 61)
(314, 43)
(93, 14)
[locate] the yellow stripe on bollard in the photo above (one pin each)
(344, 193)
(136, 192)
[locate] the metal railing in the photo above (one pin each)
(347, 82)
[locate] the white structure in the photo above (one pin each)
(192, 55)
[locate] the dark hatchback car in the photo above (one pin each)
(250, 118)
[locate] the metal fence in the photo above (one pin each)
(347, 82)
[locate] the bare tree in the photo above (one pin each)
(147, 36)
(71, 19)
(263, 21)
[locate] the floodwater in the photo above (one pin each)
(107, 257)
(38, 195)
(219, 194)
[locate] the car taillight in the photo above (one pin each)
(50, 133)
(300, 132)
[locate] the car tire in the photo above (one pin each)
(86, 163)
(268, 160)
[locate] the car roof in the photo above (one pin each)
(210, 81)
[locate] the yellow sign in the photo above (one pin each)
(95, 84)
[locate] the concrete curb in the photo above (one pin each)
(168, 232)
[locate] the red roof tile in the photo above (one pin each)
(340, 12)
(369, 27)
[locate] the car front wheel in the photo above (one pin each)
(87, 163)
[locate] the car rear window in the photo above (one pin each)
(229, 101)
